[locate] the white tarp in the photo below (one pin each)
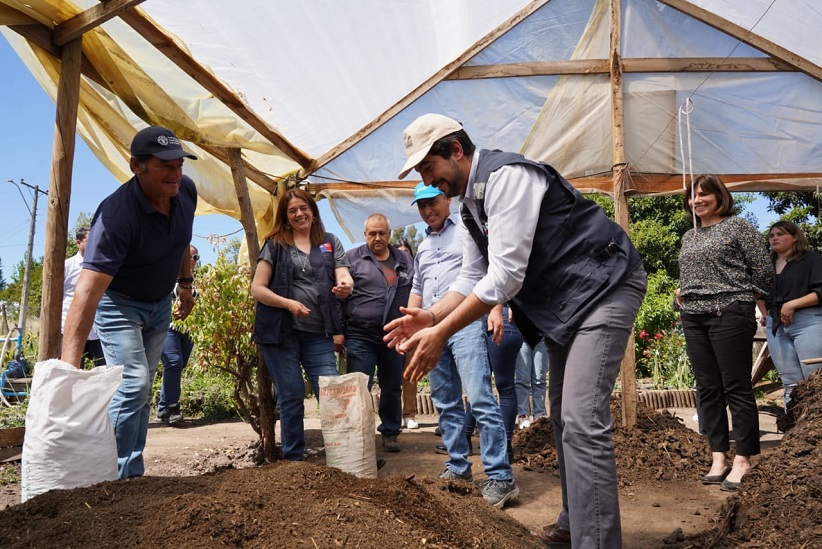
(318, 72)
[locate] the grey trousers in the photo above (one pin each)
(580, 381)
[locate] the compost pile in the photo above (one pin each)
(285, 504)
(660, 447)
(779, 503)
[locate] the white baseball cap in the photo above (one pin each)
(421, 134)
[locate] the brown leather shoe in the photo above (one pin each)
(554, 536)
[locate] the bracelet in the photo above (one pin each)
(188, 279)
(432, 315)
(184, 286)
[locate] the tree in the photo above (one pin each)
(2, 278)
(410, 234)
(13, 292)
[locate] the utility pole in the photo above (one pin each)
(21, 323)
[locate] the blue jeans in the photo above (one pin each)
(132, 333)
(503, 359)
(464, 364)
(176, 352)
(582, 376)
(363, 356)
(532, 368)
(315, 352)
(792, 344)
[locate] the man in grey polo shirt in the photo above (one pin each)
(137, 250)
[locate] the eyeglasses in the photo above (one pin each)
(196, 257)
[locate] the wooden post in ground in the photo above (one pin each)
(62, 161)
(628, 371)
(266, 399)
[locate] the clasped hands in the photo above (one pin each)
(415, 332)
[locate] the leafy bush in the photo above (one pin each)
(665, 359)
(656, 315)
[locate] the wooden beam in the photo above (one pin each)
(747, 36)
(651, 183)
(255, 175)
(182, 59)
(629, 65)
(235, 160)
(62, 161)
(417, 92)
(316, 188)
(95, 16)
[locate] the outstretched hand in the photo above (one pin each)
(413, 320)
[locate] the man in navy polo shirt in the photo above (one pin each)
(137, 250)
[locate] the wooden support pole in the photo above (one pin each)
(62, 161)
(265, 396)
(628, 370)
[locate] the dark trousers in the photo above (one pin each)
(720, 348)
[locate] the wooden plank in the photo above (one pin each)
(180, 57)
(62, 162)
(74, 27)
(762, 365)
(13, 436)
(629, 65)
(747, 36)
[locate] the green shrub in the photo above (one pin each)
(665, 359)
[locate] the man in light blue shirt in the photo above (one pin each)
(464, 360)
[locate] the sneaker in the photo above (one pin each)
(162, 415)
(438, 431)
(499, 492)
(448, 474)
(523, 422)
(390, 444)
(409, 423)
(174, 414)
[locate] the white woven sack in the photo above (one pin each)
(69, 439)
(348, 425)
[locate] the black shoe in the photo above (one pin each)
(174, 414)
(716, 479)
(438, 431)
(441, 449)
(728, 486)
(390, 444)
(162, 415)
(380, 463)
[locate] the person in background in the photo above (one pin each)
(382, 277)
(137, 248)
(409, 390)
(93, 349)
(176, 352)
(532, 368)
(463, 361)
(301, 274)
(568, 271)
(504, 342)
(724, 270)
(793, 323)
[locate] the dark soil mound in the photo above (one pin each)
(780, 501)
(280, 505)
(659, 447)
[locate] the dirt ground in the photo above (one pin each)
(202, 488)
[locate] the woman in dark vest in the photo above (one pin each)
(301, 273)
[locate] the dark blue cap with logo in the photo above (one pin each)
(160, 142)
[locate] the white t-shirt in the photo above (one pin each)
(71, 273)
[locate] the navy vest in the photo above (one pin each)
(273, 325)
(578, 257)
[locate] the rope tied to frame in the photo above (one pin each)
(685, 111)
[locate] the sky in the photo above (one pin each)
(27, 115)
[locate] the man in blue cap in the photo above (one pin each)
(464, 360)
(137, 251)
